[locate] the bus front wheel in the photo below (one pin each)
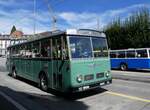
(43, 82)
(123, 67)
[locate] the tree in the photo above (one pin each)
(13, 29)
(133, 32)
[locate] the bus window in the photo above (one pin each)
(56, 48)
(49, 49)
(14, 52)
(22, 52)
(64, 48)
(45, 46)
(8, 53)
(112, 54)
(60, 48)
(80, 47)
(130, 54)
(36, 49)
(121, 54)
(100, 47)
(141, 53)
(28, 52)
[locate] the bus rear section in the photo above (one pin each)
(130, 59)
(89, 63)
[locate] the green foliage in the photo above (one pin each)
(133, 32)
(13, 29)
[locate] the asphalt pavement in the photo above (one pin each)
(6, 105)
(2, 64)
(132, 75)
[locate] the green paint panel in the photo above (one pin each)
(89, 67)
(30, 69)
(62, 74)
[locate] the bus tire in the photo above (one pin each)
(123, 66)
(14, 74)
(43, 82)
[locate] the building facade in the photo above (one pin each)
(7, 40)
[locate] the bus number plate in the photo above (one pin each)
(103, 83)
(86, 87)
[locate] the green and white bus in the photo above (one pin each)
(71, 60)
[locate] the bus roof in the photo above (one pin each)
(85, 32)
(48, 34)
(40, 36)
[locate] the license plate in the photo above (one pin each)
(101, 84)
(86, 87)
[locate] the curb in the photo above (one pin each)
(138, 79)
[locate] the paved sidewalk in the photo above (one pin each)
(141, 75)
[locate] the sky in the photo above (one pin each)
(68, 13)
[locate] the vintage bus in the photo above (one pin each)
(71, 60)
(130, 59)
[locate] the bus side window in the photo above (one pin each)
(8, 53)
(14, 52)
(64, 48)
(131, 54)
(142, 53)
(35, 50)
(23, 51)
(28, 51)
(121, 54)
(11, 52)
(112, 54)
(46, 48)
(44, 52)
(59, 48)
(56, 48)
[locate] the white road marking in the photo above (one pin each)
(16, 104)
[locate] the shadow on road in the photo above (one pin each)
(66, 96)
(84, 94)
(52, 102)
(33, 101)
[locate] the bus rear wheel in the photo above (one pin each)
(43, 82)
(123, 67)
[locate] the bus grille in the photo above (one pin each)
(88, 77)
(99, 75)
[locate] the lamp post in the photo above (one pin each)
(34, 17)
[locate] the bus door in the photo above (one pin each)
(57, 73)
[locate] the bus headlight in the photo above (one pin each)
(107, 74)
(79, 78)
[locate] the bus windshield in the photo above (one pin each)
(99, 47)
(80, 47)
(88, 47)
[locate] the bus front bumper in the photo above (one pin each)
(91, 86)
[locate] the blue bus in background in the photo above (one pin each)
(130, 59)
